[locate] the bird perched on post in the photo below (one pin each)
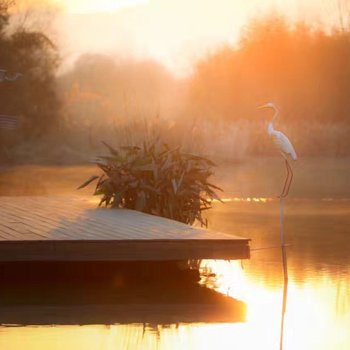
(283, 145)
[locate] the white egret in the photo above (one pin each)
(287, 150)
(283, 145)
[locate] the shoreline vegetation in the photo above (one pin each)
(223, 142)
(237, 179)
(212, 112)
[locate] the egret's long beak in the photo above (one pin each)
(263, 106)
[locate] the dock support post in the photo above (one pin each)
(285, 270)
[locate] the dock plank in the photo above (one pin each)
(64, 228)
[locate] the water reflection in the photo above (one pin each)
(283, 312)
(317, 317)
(246, 199)
(318, 309)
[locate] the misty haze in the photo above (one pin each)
(164, 94)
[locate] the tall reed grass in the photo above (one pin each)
(221, 141)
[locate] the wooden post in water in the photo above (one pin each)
(285, 269)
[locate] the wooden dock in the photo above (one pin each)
(66, 228)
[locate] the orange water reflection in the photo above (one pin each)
(317, 317)
(245, 199)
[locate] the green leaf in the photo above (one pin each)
(88, 181)
(111, 149)
(173, 182)
(213, 186)
(117, 199)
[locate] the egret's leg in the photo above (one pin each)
(282, 195)
(290, 179)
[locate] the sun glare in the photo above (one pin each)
(93, 6)
(309, 312)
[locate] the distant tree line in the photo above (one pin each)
(33, 97)
(305, 70)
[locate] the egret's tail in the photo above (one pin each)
(293, 154)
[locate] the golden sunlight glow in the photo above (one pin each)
(93, 6)
(174, 32)
(310, 311)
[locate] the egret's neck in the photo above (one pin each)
(270, 128)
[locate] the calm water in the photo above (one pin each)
(318, 300)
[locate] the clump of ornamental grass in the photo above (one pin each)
(157, 180)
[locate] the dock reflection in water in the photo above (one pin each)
(140, 316)
(318, 316)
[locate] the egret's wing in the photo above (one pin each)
(283, 144)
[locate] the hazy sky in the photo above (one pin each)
(174, 32)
